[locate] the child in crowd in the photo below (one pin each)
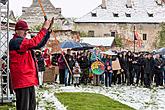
(76, 74)
(108, 72)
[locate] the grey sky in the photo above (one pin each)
(70, 8)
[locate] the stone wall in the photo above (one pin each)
(125, 31)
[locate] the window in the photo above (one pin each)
(128, 15)
(91, 33)
(115, 14)
(94, 14)
(113, 34)
(150, 15)
(144, 36)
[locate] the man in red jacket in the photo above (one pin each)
(22, 63)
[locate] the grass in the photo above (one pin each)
(7, 107)
(89, 101)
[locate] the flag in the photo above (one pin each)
(137, 37)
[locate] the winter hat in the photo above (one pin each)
(21, 25)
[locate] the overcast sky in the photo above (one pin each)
(70, 8)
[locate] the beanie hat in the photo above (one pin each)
(21, 25)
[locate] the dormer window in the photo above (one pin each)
(150, 15)
(94, 14)
(115, 14)
(128, 14)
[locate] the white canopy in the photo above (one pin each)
(98, 41)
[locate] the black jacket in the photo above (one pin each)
(148, 65)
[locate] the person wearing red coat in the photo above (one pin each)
(46, 56)
(23, 71)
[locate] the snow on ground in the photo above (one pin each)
(136, 97)
(47, 100)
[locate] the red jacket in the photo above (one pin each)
(22, 65)
(47, 58)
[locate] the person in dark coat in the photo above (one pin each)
(158, 66)
(148, 69)
(123, 71)
(61, 64)
(84, 65)
(126, 67)
(136, 67)
(142, 59)
(130, 67)
(41, 66)
(108, 72)
(70, 61)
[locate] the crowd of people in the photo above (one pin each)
(139, 69)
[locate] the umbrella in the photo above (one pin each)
(87, 46)
(70, 44)
(84, 46)
(161, 51)
(109, 52)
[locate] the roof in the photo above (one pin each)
(98, 41)
(142, 11)
(4, 19)
(33, 14)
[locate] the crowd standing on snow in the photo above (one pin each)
(137, 69)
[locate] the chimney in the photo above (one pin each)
(103, 5)
(159, 2)
(129, 4)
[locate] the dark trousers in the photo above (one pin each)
(127, 77)
(25, 98)
(132, 75)
(123, 76)
(67, 79)
(137, 77)
(119, 78)
(114, 77)
(84, 78)
(142, 76)
(61, 75)
(147, 81)
(108, 79)
(159, 78)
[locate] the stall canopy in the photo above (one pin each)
(98, 41)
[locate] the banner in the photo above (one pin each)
(116, 64)
(97, 68)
